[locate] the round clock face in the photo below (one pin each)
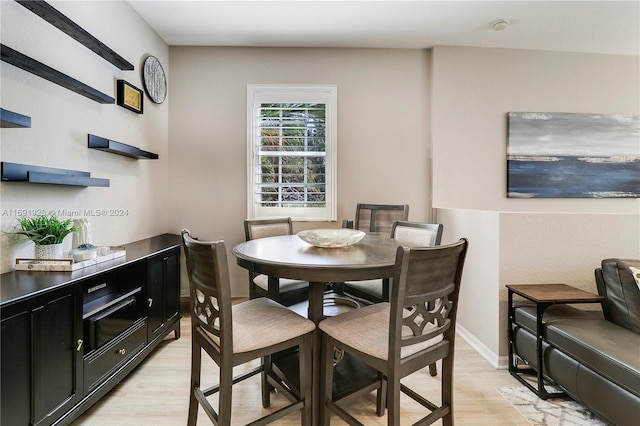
(155, 82)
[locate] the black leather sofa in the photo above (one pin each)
(594, 356)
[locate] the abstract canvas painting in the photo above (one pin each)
(571, 155)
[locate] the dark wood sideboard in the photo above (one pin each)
(67, 338)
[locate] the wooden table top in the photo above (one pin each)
(287, 256)
(554, 293)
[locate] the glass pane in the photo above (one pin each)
(285, 179)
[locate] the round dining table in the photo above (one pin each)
(288, 256)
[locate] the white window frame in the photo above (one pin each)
(258, 94)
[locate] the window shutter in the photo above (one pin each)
(291, 153)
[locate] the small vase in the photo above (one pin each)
(49, 251)
(83, 235)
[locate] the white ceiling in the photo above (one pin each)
(577, 26)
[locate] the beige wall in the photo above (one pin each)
(383, 154)
(61, 120)
(521, 240)
(474, 89)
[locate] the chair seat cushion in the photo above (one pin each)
(286, 284)
(262, 322)
(367, 330)
(373, 287)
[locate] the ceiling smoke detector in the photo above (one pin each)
(500, 24)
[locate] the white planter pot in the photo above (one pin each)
(49, 251)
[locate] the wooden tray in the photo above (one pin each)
(67, 264)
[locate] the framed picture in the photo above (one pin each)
(129, 97)
(573, 155)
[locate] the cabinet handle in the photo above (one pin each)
(122, 351)
(150, 301)
(80, 342)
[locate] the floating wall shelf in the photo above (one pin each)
(103, 144)
(14, 172)
(20, 60)
(13, 119)
(66, 25)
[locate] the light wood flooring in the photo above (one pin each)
(156, 393)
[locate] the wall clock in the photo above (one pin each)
(155, 82)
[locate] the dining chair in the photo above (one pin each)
(377, 217)
(397, 338)
(373, 218)
(413, 234)
(236, 334)
(283, 290)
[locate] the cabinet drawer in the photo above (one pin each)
(110, 322)
(99, 364)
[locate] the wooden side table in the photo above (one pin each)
(543, 295)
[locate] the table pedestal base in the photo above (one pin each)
(350, 374)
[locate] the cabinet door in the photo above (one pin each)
(155, 306)
(57, 357)
(15, 369)
(41, 362)
(172, 285)
(163, 291)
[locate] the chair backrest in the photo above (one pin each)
(209, 286)
(417, 234)
(424, 301)
(379, 217)
(261, 228)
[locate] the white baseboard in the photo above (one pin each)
(496, 361)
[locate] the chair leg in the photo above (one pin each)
(196, 357)
(273, 289)
(447, 388)
(326, 381)
(393, 401)
(386, 289)
(252, 287)
(305, 380)
(381, 396)
(338, 288)
(266, 387)
(433, 371)
(226, 382)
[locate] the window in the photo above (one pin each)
(292, 151)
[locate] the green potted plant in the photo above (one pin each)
(47, 232)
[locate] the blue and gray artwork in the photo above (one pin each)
(565, 155)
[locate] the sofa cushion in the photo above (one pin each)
(603, 397)
(525, 315)
(623, 295)
(604, 347)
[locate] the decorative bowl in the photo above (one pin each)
(331, 238)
